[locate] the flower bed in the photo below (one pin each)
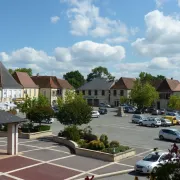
(91, 146)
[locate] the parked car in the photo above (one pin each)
(102, 110)
(104, 105)
(150, 109)
(171, 113)
(48, 121)
(156, 112)
(172, 119)
(129, 109)
(169, 134)
(150, 121)
(95, 114)
(162, 111)
(165, 122)
(151, 162)
(136, 118)
(139, 111)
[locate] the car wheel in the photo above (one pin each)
(161, 137)
(133, 121)
(152, 125)
(154, 169)
(178, 140)
(140, 123)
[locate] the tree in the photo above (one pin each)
(39, 113)
(27, 70)
(143, 94)
(174, 102)
(124, 100)
(73, 110)
(75, 78)
(99, 72)
(147, 77)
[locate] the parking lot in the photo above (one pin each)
(144, 139)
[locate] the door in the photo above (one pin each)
(90, 102)
(96, 102)
(158, 105)
(172, 135)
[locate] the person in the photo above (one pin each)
(87, 178)
(175, 148)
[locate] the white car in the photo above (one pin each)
(48, 121)
(151, 162)
(165, 122)
(150, 121)
(169, 134)
(95, 114)
(136, 118)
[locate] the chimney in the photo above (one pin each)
(171, 78)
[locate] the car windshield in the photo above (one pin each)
(152, 157)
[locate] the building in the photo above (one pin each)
(121, 88)
(51, 87)
(97, 91)
(30, 89)
(167, 88)
(9, 88)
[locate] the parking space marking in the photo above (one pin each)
(123, 164)
(87, 172)
(60, 151)
(144, 152)
(28, 141)
(10, 176)
(59, 158)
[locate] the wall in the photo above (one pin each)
(31, 92)
(102, 99)
(46, 92)
(117, 97)
(53, 95)
(10, 94)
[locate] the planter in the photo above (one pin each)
(94, 154)
(35, 135)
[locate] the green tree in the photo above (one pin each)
(147, 77)
(73, 109)
(174, 102)
(100, 72)
(143, 94)
(39, 113)
(27, 70)
(75, 78)
(124, 100)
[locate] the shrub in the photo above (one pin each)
(104, 139)
(114, 144)
(87, 130)
(115, 150)
(71, 133)
(42, 128)
(96, 145)
(82, 143)
(90, 137)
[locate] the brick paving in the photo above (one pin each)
(43, 159)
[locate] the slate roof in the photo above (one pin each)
(65, 84)
(97, 84)
(169, 85)
(124, 83)
(46, 82)
(24, 79)
(7, 118)
(6, 79)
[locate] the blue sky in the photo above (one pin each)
(56, 36)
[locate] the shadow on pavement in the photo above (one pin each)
(134, 173)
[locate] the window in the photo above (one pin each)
(114, 92)
(122, 93)
(44, 93)
(103, 92)
(95, 92)
(89, 92)
(83, 92)
(59, 92)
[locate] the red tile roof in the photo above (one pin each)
(24, 79)
(124, 83)
(65, 84)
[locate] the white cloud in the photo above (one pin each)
(162, 36)
(178, 3)
(55, 19)
(116, 40)
(81, 56)
(159, 3)
(85, 20)
(134, 30)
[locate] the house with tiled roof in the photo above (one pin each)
(30, 89)
(9, 88)
(122, 87)
(167, 88)
(51, 87)
(96, 91)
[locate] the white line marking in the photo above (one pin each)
(32, 146)
(31, 150)
(123, 164)
(60, 158)
(13, 177)
(32, 158)
(144, 152)
(28, 141)
(60, 151)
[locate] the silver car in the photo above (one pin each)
(151, 162)
(170, 134)
(136, 118)
(165, 122)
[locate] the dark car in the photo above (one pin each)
(162, 111)
(151, 109)
(156, 112)
(102, 110)
(139, 111)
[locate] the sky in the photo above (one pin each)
(54, 37)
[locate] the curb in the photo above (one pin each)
(110, 174)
